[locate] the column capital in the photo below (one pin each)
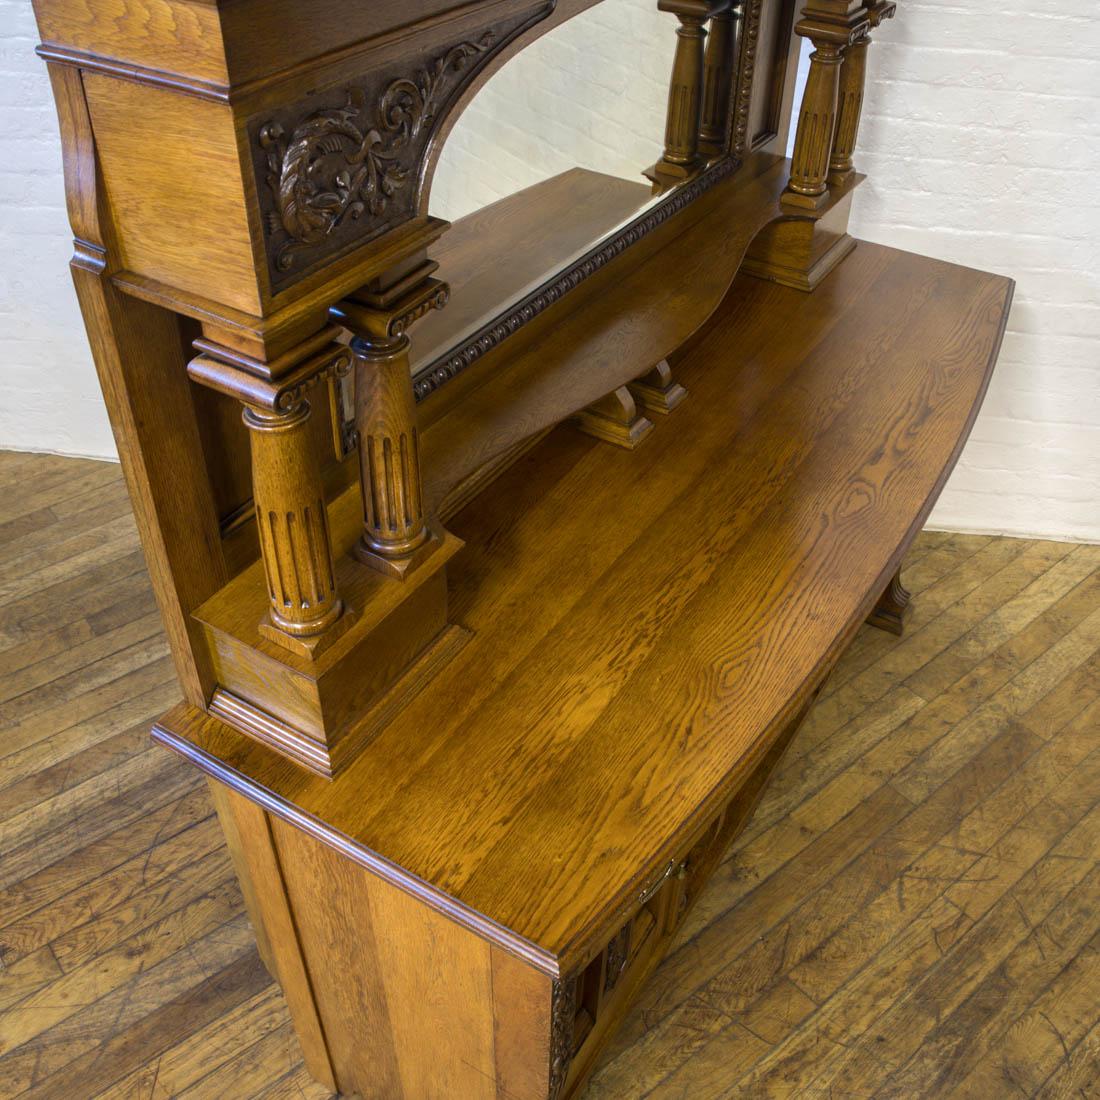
(879, 12)
(693, 10)
(236, 375)
(383, 314)
(835, 22)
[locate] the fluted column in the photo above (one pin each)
(389, 450)
(718, 79)
(291, 521)
(853, 70)
(396, 535)
(305, 612)
(832, 26)
(685, 90)
(813, 144)
(853, 77)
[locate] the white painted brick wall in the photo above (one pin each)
(49, 396)
(981, 139)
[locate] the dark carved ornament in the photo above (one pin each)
(333, 176)
(742, 93)
(563, 1013)
(617, 952)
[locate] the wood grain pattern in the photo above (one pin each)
(196, 237)
(591, 672)
(499, 252)
(810, 934)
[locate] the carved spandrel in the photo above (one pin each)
(343, 166)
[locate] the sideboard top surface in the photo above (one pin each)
(644, 622)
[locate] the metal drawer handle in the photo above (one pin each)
(672, 869)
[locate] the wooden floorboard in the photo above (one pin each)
(914, 911)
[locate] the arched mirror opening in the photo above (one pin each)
(590, 94)
(557, 160)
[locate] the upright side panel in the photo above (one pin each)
(139, 355)
(413, 1005)
(248, 833)
(139, 359)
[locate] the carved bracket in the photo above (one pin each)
(220, 370)
(345, 165)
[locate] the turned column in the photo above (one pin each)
(396, 535)
(291, 521)
(853, 76)
(291, 518)
(813, 144)
(830, 32)
(685, 91)
(718, 79)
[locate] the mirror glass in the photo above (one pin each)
(546, 162)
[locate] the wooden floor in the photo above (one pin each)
(913, 912)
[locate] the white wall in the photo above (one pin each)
(981, 139)
(49, 397)
(982, 146)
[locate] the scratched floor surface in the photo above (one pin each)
(914, 911)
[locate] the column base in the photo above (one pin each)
(798, 201)
(666, 173)
(317, 706)
(312, 646)
(799, 250)
(399, 567)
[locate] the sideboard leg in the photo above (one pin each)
(251, 843)
(615, 419)
(892, 609)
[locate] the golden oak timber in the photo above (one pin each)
(473, 777)
(640, 655)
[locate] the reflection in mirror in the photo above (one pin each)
(551, 157)
(591, 93)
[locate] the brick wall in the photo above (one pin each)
(981, 139)
(49, 397)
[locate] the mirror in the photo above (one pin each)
(570, 143)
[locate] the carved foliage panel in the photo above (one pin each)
(343, 166)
